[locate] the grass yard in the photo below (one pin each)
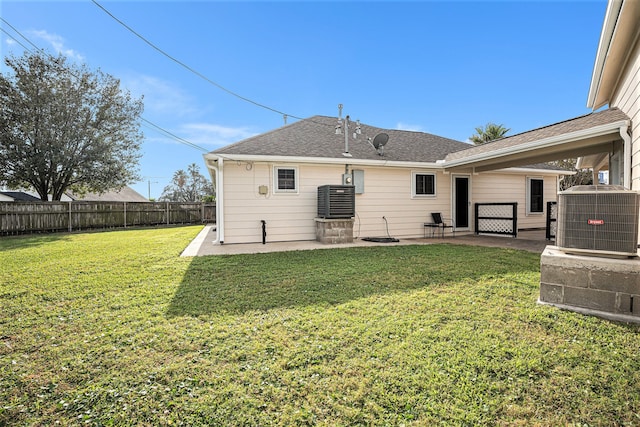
(114, 328)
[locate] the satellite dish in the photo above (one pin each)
(380, 140)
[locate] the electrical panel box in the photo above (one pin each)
(358, 180)
(355, 178)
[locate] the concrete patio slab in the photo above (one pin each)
(203, 244)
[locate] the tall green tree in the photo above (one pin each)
(489, 133)
(188, 186)
(64, 127)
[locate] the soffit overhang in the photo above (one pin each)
(582, 143)
(620, 33)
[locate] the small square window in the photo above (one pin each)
(424, 184)
(286, 179)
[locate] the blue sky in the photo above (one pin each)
(442, 67)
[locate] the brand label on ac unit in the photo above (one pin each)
(595, 221)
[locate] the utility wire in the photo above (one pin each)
(177, 138)
(151, 124)
(20, 34)
(197, 73)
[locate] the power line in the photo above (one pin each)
(156, 127)
(197, 73)
(14, 39)
(177, 138)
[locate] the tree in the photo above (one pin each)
(63, 127)
(581, 176)
(189, 186)
(491, 132)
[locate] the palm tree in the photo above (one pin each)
(491, 132)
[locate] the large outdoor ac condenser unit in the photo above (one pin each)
(598, 220)
(336, 201)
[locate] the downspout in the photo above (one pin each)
(219, 168)
(627, 156)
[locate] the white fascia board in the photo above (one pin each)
(608, 29)
(533, 171)
(541, 143)
(322, 161)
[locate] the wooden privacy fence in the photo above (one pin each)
(41, 217)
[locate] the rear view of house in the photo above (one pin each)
(274, 177)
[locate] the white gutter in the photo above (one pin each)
(608, 29)
(627, 156)
(323, 160)
(541, 143)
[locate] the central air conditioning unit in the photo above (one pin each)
(336, 201)
(598, 220)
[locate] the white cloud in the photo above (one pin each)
(57, 43)
(160, 96)
(407, 126)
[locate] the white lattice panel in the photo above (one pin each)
(490, 225)
(495, 210)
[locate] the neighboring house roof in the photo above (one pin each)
(315, 137)
(20, 196)
(126, 194)
(576, 137)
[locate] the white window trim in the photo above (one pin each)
(528, 199)
(276, 190)
(413, 185)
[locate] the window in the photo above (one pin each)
(424, 184)
(286, 180)
(535, 195)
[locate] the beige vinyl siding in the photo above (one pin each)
(387, 193)
(290, 216)
(510, 188)
(627, 99)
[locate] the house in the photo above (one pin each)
(607, 140)
(274, 177)
(17, 196)
(616, 82)
(125, 194)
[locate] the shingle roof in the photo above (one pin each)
(315, 137)
(125, 194)
(20, 196)
(585, 122)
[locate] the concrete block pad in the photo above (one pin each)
(550, 293)
(590, 298)
(564, 275)
(616, 281)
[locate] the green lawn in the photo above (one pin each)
(114, 328)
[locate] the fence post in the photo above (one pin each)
(70, 227)
(168, 213)
(125, 214)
